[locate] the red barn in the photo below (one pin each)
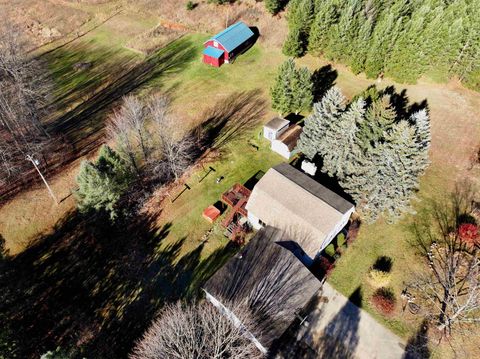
(226, 45)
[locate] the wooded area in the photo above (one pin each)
(400, 39)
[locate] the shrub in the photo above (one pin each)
(378, 278)
(191, 5)
(469, 233)
(384, 300)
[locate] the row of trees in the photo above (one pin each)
(24, 91)
(148, 145)
(376, 153)
(403, 39)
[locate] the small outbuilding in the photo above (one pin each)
(286, 144)
(228, 44)
(275, 127)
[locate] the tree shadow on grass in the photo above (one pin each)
(83, 98)
(417, 345)
(323, 79)
(230, 119)
(93, 289)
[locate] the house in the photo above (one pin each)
(226, 45)
(287, 198)
(286, 144)
(269, 281)
(274, 128)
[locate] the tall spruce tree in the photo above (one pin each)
(102, 183)
(408, 60)
(300, 16)
(379, 119)
(342, 152)
(274, 6)
(294, 45)
(326, 15)
(302, 89)
(292, 89)
(386, 181)
(326, 112)
(281, 91)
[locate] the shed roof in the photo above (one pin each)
(233, 36)
(269, 280)
(290, 137)
(213, 52)
(285, 197)
(277, 123)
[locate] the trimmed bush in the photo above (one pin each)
(384, 300)
(378, 278)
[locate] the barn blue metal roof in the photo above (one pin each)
(233, 36)
(213, 52)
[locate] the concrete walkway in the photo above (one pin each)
(336, 328)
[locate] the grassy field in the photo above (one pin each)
(195, 90)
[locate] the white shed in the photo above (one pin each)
(287, 142)
(274, 128)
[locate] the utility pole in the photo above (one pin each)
(35, 164)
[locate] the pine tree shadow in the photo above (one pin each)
(323, 79)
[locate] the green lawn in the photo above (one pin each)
(240, 163)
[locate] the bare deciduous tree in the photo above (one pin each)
(24, 89)
(450, 287)
(128, 128)
(178, 150)
(198, 331)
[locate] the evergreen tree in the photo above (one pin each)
(326, 112)
(407, 60)
(358, 56)
(275, 6)
(292, 91)
(379, 119)
(281, 91)
(388, 177)
(326, 16)
(294, 45)
(344, 34)
(302, 90)
(343, 150)
(101, 184)
(300, 16)
(389, 26)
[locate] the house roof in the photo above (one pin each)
(233, 36)
(213, 52)
(269, 280)
(286, 197)
(290, 137)
(277, 123)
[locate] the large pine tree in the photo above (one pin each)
(292, 89)
(103, 182)
(342, 150)
(326, 112)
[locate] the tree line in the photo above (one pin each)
(401, 39)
